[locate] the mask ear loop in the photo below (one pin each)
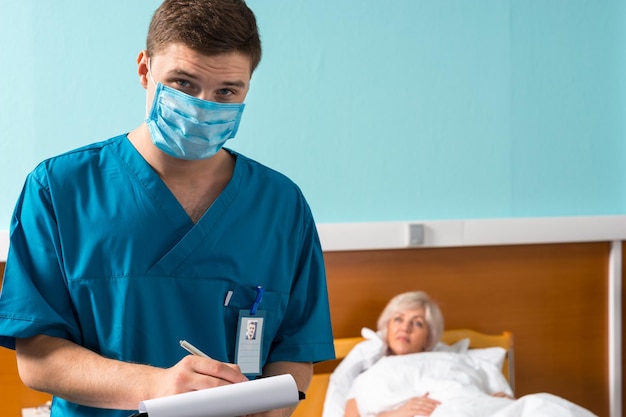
(149, 105)
(150, 72)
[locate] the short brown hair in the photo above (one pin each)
(211, 27)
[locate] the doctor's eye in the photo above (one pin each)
(225, 94)
(183, 85)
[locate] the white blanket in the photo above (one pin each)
(461, 382)
(367, 353)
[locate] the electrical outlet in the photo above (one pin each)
(416, 234)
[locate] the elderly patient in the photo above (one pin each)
(403, 370)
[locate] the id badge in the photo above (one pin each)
(249, 342)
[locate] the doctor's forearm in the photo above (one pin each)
(302, 373)
(69, 371)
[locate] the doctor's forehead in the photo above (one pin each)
(184, 61)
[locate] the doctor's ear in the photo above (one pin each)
(142, 68)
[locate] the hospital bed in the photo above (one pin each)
(313, 404)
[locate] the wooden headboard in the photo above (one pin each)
(552, 297)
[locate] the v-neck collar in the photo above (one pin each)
(190, 235)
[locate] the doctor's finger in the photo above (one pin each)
(194, 372)
(227, 372)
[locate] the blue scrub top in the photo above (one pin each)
(102, 254)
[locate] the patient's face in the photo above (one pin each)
(407, 332)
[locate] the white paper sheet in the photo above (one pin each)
(227, 401)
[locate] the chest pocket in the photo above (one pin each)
(242, 298)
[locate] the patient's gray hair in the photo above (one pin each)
(410, 301)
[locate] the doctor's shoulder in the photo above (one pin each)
(73, 162)
(272, 180)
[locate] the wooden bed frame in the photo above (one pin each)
(313, 405)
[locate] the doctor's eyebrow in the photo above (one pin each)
(177, 72)
(234, 84)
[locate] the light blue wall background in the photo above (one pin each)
(380, 111)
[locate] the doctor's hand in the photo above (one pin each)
(416, 406)
(194, 373)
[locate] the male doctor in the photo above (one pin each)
(123, 247)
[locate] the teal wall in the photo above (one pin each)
(380, 111)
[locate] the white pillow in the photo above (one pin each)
(494, 355)
(459, 347)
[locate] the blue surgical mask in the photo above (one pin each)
(186, 127)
